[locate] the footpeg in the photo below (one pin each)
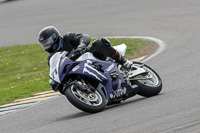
(138, 71)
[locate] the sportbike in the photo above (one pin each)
(90, 84)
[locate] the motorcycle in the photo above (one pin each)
(90, 84)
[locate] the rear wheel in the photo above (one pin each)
(150, 86)
(91, 102)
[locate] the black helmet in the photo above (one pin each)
(48, 38)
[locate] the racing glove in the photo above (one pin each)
(81, 49)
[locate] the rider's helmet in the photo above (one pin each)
(49, 38)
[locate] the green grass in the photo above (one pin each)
(24, 70)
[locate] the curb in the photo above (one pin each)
(38, 97)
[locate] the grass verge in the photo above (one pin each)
(24, 70)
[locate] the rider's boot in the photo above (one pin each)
(122, 60)
(128, 64)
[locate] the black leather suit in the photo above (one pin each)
(72, 41)
(101, 48)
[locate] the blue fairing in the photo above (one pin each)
(114, 88)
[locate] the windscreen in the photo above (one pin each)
(54, 61)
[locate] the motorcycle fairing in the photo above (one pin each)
(62, 67)
(114, 88)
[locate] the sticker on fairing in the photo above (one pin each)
(75, 68)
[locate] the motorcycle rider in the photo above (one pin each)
(52, 41)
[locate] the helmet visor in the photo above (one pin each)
(47, 44)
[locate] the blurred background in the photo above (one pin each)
(21, 20)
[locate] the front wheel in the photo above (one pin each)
(150, 86)
(92, 102)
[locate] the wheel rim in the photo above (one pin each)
(154, 81)
(92, 99)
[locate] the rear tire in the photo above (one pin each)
(83, 101)
(149, 87)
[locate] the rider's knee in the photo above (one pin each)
(102, 42)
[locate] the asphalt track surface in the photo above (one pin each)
(176, 22)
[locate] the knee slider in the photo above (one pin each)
(106, 42)
(101, 42)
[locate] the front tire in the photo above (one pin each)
(148, 87)
(91, 103)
